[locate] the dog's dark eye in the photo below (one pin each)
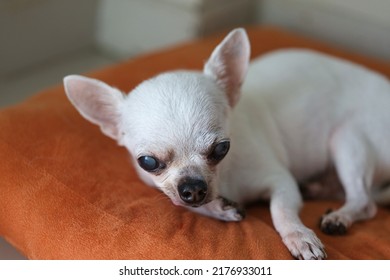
(149, 163)
(219, 152)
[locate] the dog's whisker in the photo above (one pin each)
(165, 178)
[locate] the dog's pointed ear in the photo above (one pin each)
(229, 62)
(95, 101)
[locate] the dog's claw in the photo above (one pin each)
(304, 245)
(241, 212)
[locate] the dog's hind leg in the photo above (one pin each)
(354, 160)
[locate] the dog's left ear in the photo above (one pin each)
(229, 62)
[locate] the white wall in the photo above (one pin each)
(359, 25)
(127, 27)
(33, 31)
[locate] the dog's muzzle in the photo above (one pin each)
(193, 191)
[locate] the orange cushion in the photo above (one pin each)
(69, 192)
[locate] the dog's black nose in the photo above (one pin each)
(192, 191)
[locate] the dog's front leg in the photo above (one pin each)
(285, 203)
(221, 209)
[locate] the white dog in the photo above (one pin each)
(300, 113)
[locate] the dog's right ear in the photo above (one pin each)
(229, 62)
(95, 101)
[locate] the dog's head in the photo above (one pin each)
(175, 125)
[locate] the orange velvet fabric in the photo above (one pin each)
(69, 192)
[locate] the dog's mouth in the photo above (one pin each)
(179, 202)
(200, 204)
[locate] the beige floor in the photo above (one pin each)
(19, 86)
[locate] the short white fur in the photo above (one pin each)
(300, 113)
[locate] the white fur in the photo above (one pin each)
(300, 113)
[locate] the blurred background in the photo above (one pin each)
(43, 40)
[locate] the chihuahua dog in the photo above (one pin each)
(300, 113)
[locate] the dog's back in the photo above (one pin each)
(310, 96)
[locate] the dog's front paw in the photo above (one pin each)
(304, 245)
